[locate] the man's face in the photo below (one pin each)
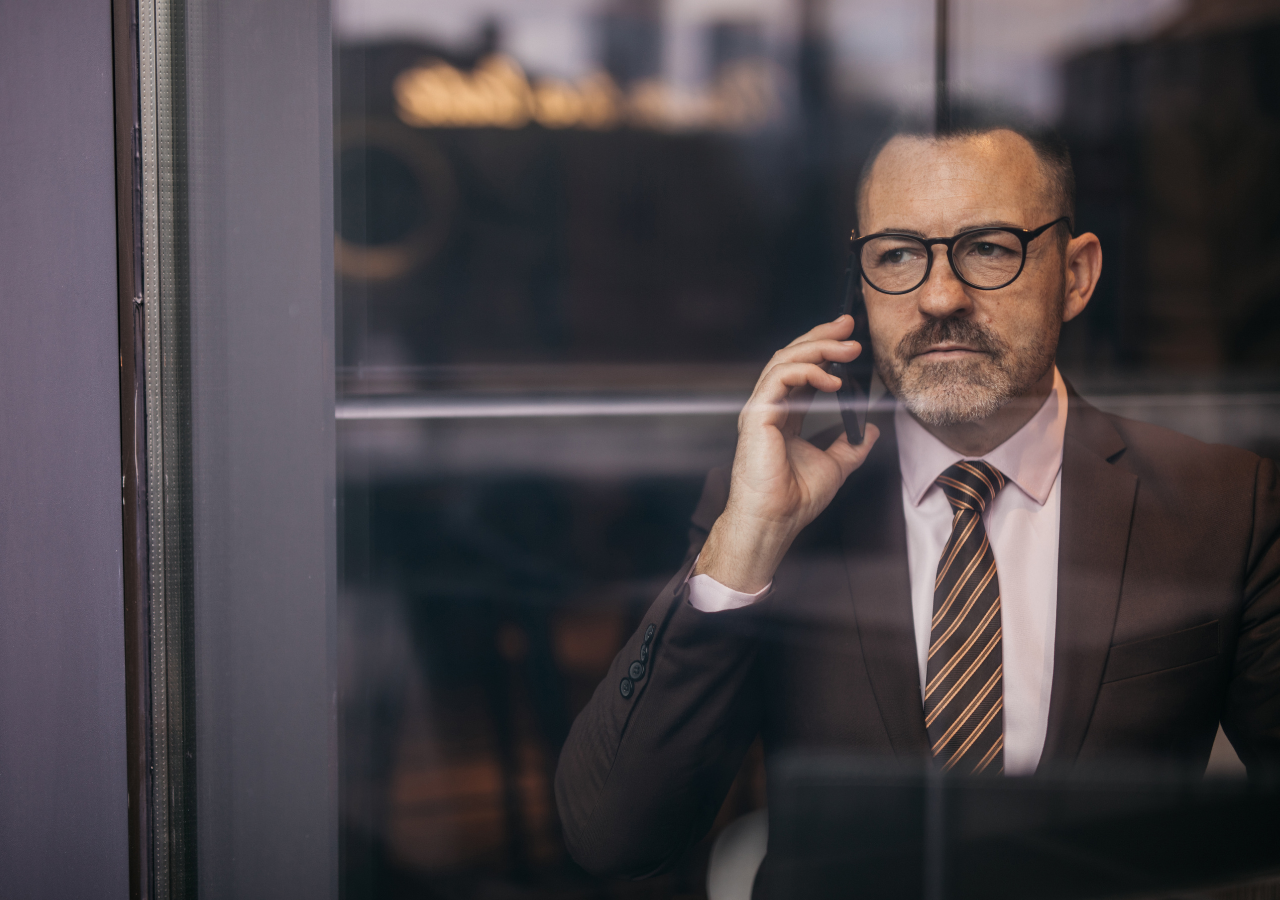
(949, 352)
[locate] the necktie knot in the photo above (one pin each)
(971, 484)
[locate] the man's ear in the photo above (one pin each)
(1083, 266)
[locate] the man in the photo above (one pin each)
(1000, 578)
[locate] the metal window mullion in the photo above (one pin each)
(147, 76)
(165, 302)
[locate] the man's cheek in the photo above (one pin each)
(885, 337)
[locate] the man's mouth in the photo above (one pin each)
(941, 352)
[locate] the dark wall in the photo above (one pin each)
(63, 799)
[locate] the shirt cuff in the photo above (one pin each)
(710, 596)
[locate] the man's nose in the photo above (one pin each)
(943, 294)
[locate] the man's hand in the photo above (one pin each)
(781, 482)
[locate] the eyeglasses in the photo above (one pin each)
(983, 258)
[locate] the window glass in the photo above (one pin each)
(570, 234)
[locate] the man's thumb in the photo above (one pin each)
(850, 456)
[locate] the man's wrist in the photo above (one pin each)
(743, 556)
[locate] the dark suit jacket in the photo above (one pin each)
(1168, 622)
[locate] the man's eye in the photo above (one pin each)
(988, 250)
(895, 257)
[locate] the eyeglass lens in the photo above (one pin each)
(985, 259)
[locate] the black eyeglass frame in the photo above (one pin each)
(1025, 235)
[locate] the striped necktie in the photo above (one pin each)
(964, 696)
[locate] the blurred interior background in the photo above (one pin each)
(569, 234)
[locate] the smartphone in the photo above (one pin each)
(854, 395)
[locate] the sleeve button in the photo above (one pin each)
(644, 653)
(636, 671)
(648, 633)
(626, 687)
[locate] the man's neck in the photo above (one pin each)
(976, 439)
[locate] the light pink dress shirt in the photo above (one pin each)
(1022, 524)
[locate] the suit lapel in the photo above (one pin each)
(875, 544)
(1097, 510)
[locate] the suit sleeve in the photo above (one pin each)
(649, 760)
(1252, 715)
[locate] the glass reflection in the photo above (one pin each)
(569, 235)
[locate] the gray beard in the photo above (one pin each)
(962, 391)
(951, 393)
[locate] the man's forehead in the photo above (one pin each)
(940, 186)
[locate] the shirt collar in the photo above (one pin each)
(1030, 458)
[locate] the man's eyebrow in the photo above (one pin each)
(911, 231)
(977, 226)
(997, 223)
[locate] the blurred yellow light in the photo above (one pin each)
(497, 94)
(557, 105)
(437, 95)
(600, 101)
